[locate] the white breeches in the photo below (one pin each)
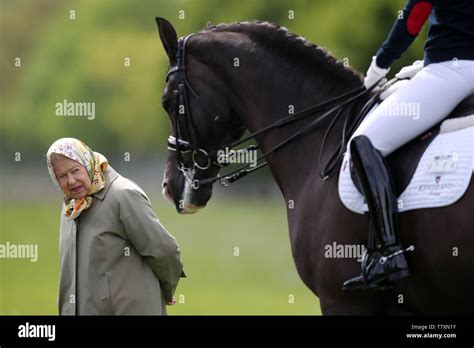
(420, 104)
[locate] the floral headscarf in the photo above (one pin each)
(95, 164)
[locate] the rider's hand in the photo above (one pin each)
(374, 74)
(172, 302)
(407, 72)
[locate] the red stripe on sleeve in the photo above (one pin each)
(418, 16)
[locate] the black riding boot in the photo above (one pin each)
(384, 260)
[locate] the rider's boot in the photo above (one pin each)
(384, 260)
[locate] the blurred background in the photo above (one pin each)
(236, 251)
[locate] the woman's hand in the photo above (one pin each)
(375, 74)
(407, 72)
(173, 301)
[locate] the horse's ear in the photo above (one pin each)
(168, 38)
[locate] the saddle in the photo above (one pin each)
(416, 169)
(404, 161)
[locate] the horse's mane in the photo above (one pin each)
(295, 47)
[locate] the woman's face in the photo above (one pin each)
(72, 177)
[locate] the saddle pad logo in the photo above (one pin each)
(443, 163)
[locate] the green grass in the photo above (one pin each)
(262, 279)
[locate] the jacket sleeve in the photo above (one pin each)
(151, 239)
(404, 31)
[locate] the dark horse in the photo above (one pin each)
(246, 76)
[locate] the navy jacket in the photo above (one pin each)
(451, 31)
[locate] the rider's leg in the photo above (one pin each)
(410, 111)
(384, 259)
(423, 102)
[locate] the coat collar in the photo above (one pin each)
(110, 175)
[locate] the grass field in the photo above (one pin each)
(236, 255)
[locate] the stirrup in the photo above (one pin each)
(381, 277)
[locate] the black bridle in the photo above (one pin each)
(184, 126)
(201, 159)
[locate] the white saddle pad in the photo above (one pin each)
(441, 177)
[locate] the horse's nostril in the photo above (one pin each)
(166, 191)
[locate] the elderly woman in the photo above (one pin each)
(116, 257)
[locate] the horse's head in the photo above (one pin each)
(202, 121)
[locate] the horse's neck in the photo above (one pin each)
(297, 161)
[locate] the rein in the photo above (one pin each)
(202, 160)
